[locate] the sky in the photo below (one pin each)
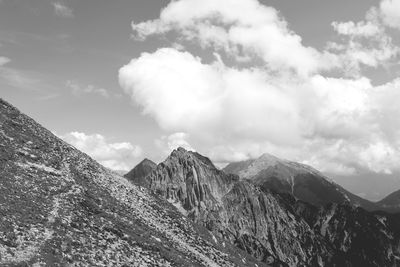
(311, 81)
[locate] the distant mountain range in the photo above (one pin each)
(301, 181)
(283, 213)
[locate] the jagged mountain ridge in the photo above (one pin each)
(274, 227)
(236, 211)
(140, 171)
(199, 186)
(59, 207)
(300, 180)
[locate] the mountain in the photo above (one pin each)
(274, 227)
(59, 207)
(302, 181)
(391, 203)
(140, 171)
(235, 211)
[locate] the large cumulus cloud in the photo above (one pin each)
(287, 99)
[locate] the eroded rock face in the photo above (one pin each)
(276, 228)
(58, 207)
(191, 181)
(261, 225)
(359, 237)
(236, 210)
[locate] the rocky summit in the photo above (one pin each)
(275, 226)
(138, 174)
(301, 181)
(59, 207)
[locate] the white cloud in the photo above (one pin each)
(117, 156)
(242, 29)
(288, 106)
(362, 28)
(60, 9)
(183, 94)
(4, 60)
(19, 78)
(168, 143)
(390, 10)
(365, 43)
(79, 90)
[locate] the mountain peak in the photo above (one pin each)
(181, 149)
(300, 180)
(147, 161)
(269, 157)
(140, 171)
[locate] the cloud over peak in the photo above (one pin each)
(288, 100)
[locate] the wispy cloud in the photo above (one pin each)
(79, 90)
(18, 78)
(62, 10)
(4, 60)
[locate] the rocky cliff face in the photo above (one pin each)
(258, 223)
(58, 207)
(301, 181)
(235, 210)
(276, 228)
(139, 172)
(358, 237)
(191, 182)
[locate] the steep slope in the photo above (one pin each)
(353, 232)
(236, 211)
(299, 180)
(276, 228)
(191, 182)
(391, 203)
(357, 236)
(58, 207)
(259, 224)
(140, 171)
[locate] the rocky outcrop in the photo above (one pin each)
(138, 174)
(274, 226)
(191, 182)
(236, 211)
(358, 237)
(258, 223)
(58, 207)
